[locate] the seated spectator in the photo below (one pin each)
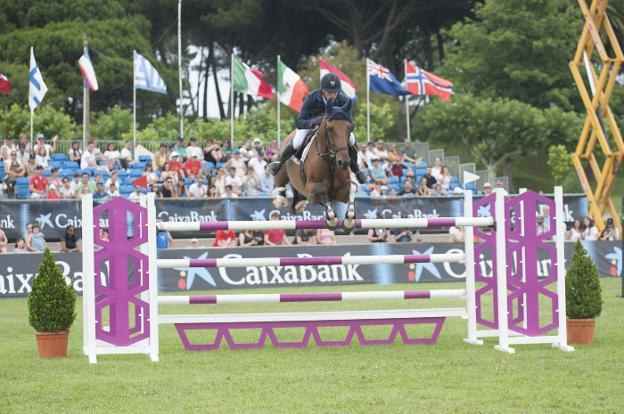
(52, 193)
(423, 190)
(275, 237)
(408, 188)
(234, 180)
(541, 228)
(378, 173)
(125, 157)
(219, 181)
(152, 177)
(168, 190)
(28, 238)
(396, 168)
(20, 246)
(85, 186)
(42, 158)
(175, 166)
(195, 244)
(245, 151)
(4, 241)
(31, 165)
(444, 179)
(38, 240)
(135, 195)
(55, 179)
(456, 234)
(75, 181)
(22, 153)
(212, 192)
(65, 191)
(194, 151)
(266, 183)
(436, 169)
(38, 184)
(229, 192)
(251, 183)
(198, 189)
(160, 157)
(225, 238)
(75, 153)
(257, 145)
(402, 235)
(113, 191)
(487, 189)
(167, 173)
(156, 190)
(325, 236)
(69, 242)
(181, 190)
(88, 159)
(258, 163)
(367, 154)
(180, 148)
(47, 147)
(305, 236)
(437, 191)
(212, 152)
(112, 154)
(380, 150)
(609, 233)
(499, 184)
(13, 169)
(247, 239)
(192, 166)
(100, 192)
(226, 147)
(576, 232)
(378, 235)
(237, 162)
(6, 148)
(113, 179)
(431, 180)
(393, 155)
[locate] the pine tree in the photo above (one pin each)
(583, 291)
(52, 302)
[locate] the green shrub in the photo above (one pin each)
(51, 303)
(583, 292)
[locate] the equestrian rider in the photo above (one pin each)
(311, 116)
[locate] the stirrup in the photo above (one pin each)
(274, 167)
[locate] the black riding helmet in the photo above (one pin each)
(330, 82)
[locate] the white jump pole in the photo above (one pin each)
(471, 306)
(88, 280)
(153, 277)
(562, 331)
(501, 274)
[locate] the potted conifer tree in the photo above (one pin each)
(51, 308)
(583, 297)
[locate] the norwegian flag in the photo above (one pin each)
(421, 82)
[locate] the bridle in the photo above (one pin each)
(330, 154)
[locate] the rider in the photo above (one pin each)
(311, 115)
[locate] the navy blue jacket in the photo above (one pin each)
(313, 109)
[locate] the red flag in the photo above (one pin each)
(348, 87)
(140, 182)
(421, 82)
(264, 90)
(5, 85)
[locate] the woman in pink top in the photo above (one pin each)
(325, 236)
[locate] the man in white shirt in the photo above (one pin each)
(237, 162)
(266, 183)
(229, 192)
(194, 150)
(380, 150)
(48, 148)
(197, 189)
(88, 157)
(135, 195)
(126, 154)
(233, 180)
(258, 163)
(66, 191)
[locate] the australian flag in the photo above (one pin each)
(381, 80)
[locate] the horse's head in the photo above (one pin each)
(337, 126)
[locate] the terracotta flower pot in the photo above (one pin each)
(52, 344)
(581, 331)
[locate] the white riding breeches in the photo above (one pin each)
(302, 133)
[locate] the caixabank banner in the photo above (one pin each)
(18, 270)
(55, 216)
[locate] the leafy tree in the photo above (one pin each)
(114, 124)
(517, 49)
(562, 169)
(47, 120)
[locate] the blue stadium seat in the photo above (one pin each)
(126, 189)
(209, 164)
(66, 173)
(395, 186)
(220, 164)
(55, 164)
(47, 173)
(145, 158)
(103, 173)
(70, 165)
(59, 156)
(138, 166)
(23, 181)
(134, 174)
(392, 180)
(22, 191)
(1, 174)
(454, 179)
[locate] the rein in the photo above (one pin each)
(330, 154)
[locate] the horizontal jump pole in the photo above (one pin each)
(398, 223)
(312, 297)
(311, 261)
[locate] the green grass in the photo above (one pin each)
(447, 377)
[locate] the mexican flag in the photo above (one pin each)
(249, 81)
(291, 88)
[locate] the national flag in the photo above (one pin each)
(146, 77)
(421, 82)
(37, 88)
(5, 85)
(88, 73)
(292, 90)
(249, 81)
(348, 87)
(381, 80)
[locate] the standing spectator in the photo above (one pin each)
(192, 166)
(125, 157)
(75, 153)
(487, 189)
(55, 179)
(100, 192)
(234, 180)
(275, 237)
(436, 170)
(266, 183)
(88, 159)
(423, 190)
(69, 242)
(85, 186)
(28, 238)
(378, 235)
(431, 180)
(590, 232)
(180, 148)
(160, 157)
(6, 148)
(47, 147)
(4, 241)
(325, 236)
(212, 152)
(305, 236)
(13, 169)
(20, 246)
(576, 232)
(251, 183)
(193, 150)
(224, 238)
(609, 233)
(53, 192)
(38, 184)
(66, 191)
(541, 228)
(445, 179)
(197, 189)
(38, 240)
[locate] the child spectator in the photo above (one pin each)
(38, 240)
(38, 184)
(224, 238)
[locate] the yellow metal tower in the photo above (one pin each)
(598, 41)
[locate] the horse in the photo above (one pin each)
(324, 175)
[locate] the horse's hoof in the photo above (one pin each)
(331, 223)
(300, 206)
(348, 225)
(280, 202)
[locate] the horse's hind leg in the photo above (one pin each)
(299, 202)
(349, 220)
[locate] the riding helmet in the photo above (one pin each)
(330, 82)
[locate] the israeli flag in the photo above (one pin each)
(38, 88)
(146, 77)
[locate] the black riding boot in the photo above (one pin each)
(275, 166)
(360, 174)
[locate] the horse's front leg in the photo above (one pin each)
(349, 220)
(319, 195)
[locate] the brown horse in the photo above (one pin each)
(324, 175)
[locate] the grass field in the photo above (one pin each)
(447, 377)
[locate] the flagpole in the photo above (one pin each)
(32, 115)
(232, 100)
(133, 107)
(278, 105)
(180, 67)
(86, 104)
(368, 137)
(407, 113)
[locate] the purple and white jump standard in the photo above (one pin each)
(311, 261)
(400, 223)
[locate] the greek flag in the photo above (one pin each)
(146, 77)
(38, 88)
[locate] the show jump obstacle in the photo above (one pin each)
(121, 301)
